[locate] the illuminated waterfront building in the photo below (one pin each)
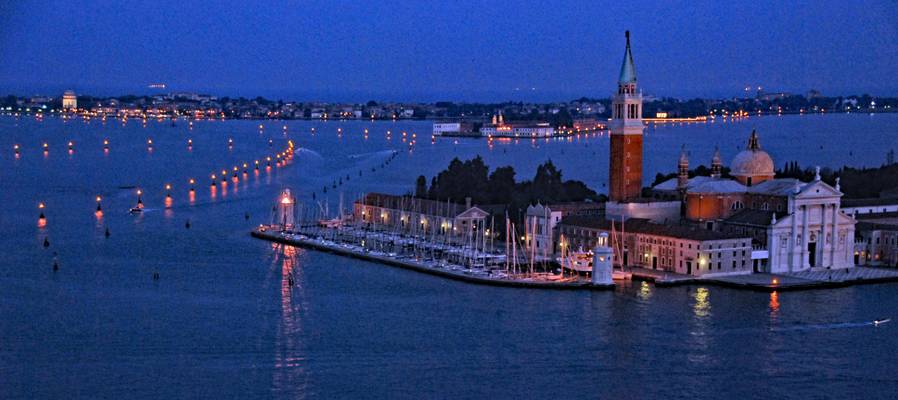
(416, 216)
(69, 100)
(498, 127)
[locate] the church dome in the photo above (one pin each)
(752, 162)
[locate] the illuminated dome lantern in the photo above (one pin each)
(752, 165)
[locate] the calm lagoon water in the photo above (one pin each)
(222, 322)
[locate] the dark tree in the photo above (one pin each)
(421, 187)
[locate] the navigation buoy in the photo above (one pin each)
(46, 242)
(107, 232)
(41, 219)
(155, 276)
(168, 199)
(55, 265)
(187, 224)
(99, 206)
(246, 216)
(139, 200)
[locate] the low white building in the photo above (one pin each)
(518, 130)
(452, 128)
(869, 206)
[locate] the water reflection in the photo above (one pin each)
(702, 306)
(700, 337)
(289, 366)
(774, 305)
(645, 291)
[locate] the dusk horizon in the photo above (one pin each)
(462, 52)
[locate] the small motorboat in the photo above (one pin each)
(879, 322)
(135, 210)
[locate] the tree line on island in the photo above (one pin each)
(855, 183)
(473, 179)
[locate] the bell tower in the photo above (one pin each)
(626, 134)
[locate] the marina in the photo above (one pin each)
(445, 270)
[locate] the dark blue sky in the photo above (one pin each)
(458, 50)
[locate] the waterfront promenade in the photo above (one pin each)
(804, 280)
(764, 282)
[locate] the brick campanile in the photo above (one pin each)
(626, 134)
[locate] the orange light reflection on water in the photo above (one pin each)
(774, 303)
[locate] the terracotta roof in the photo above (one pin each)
(644, 226)
(753, 217)
(777, 187)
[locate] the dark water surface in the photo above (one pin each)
(222, 322)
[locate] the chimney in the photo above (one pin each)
(467, 203)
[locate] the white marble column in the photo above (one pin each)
(835, 234)
(821, 239)
(804, 237)
(793, 242)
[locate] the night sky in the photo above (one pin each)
(458, 50)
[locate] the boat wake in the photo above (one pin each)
(303, 150)
(374, 153)
(839, 325)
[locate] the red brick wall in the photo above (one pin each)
(626, 151)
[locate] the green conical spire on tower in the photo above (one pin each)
(628, 69)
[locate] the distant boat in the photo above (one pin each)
(135, 210)
(879, 322)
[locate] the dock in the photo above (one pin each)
(457, 273)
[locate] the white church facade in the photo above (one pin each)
(814, 234)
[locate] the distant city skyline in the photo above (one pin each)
(464, 51)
